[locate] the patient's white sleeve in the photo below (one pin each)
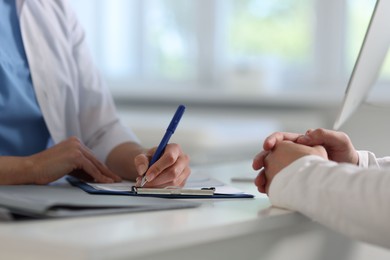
(368, 159)
(354, 200)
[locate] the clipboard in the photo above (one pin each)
(169, 193)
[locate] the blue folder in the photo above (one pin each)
(91, 190)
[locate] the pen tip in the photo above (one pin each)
(143, 182)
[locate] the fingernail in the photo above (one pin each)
(138, 182)
(149, 177)
(142, 168)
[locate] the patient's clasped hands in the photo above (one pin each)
(280, 149)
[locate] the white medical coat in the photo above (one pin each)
(73, 99)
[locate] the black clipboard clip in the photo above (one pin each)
(173, 191)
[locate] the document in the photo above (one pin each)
(195, 181)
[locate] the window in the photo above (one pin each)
(268, 38)
(246, 45)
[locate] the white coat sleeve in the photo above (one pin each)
(100, 126)
(347, 198)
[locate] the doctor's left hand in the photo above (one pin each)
(69, 157)
(172, 169)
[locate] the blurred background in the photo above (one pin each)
(243, 68)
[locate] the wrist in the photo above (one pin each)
(15, 170)
(28, 170)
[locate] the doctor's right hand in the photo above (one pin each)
(68, 157)
(172, 169)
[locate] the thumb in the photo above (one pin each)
(304, 139)
(313, 137)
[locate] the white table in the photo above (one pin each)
(218, 229)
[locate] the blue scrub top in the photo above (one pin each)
(23, 130)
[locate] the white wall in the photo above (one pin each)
(369, 129)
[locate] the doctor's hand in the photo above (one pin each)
(337, 144)
(172, 169)
(281, 156)
(68, 157)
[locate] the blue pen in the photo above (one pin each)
(170, 130)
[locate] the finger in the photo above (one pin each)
(90, 169)
(99, 165)
(309, 131)
(305, 139)
(172, 175)
(272, 140)
(184, 177)
(321, 151)
(81, 175)
(258, 161)
(168, 179)
(150, 152)
(171, 154)
(261, 181)
(141, 162)
(268, 180)
(318, 136)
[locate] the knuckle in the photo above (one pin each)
(74, 139)
(321, 131)
(175, 146)
(344, 136)
(170, 158)
(172, 174)
(75, 155)
(186, 158)
(76, 144)
(176, 172)
(277, 135)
